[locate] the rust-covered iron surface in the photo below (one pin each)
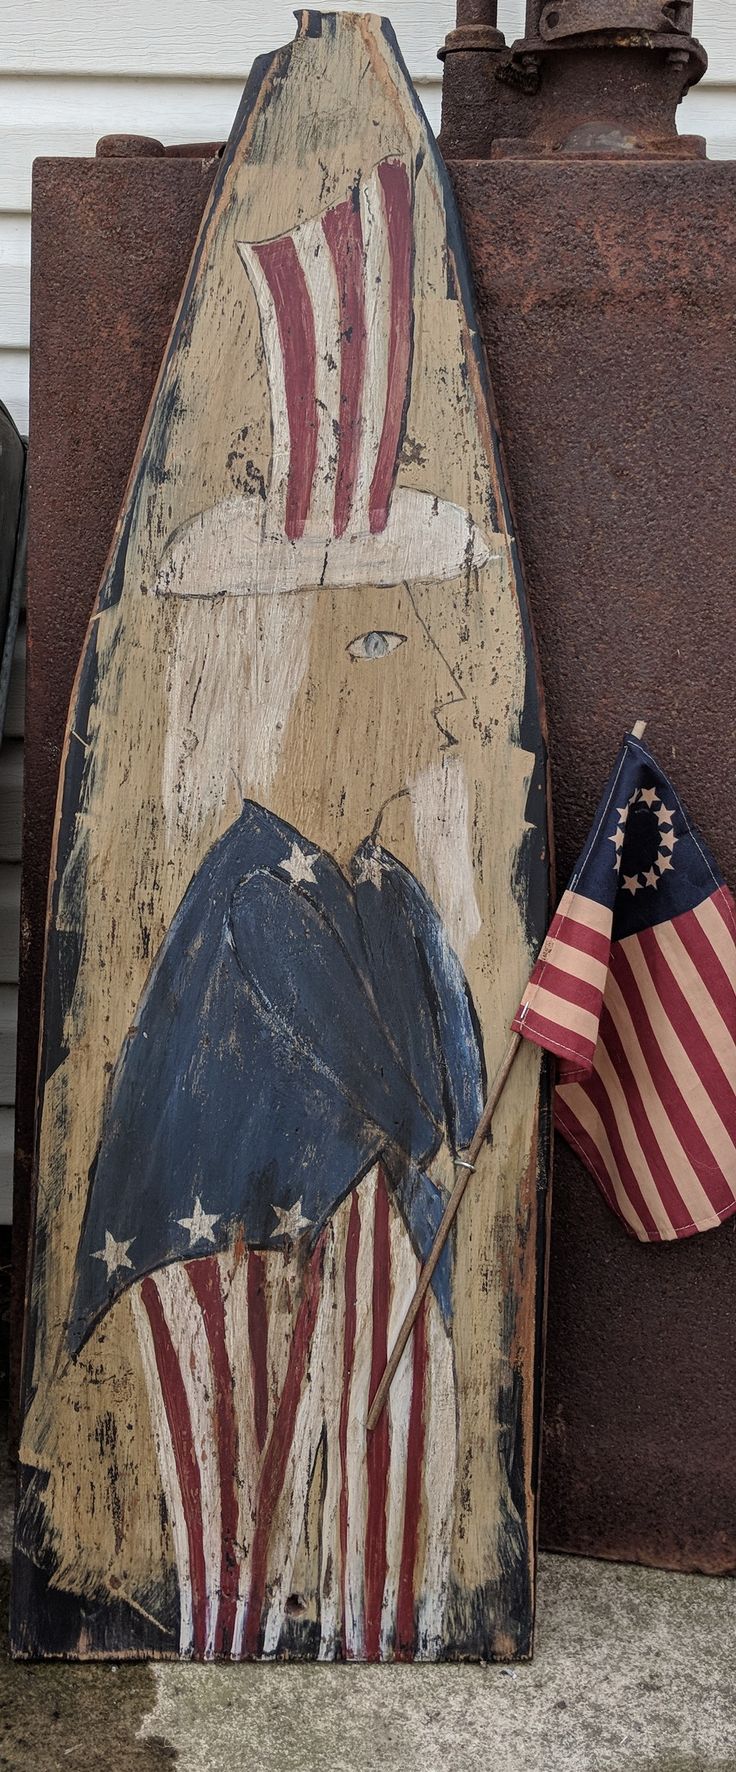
(602, 245)
(607, 293)
(607, 296)
(590, 79)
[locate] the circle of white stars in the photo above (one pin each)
(663, 863)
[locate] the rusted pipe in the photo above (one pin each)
(591, 79)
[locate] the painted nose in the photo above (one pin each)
(447, 736)
(449, 694)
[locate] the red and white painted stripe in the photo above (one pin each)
(259, 1368)
(335, 303)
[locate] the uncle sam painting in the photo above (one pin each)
(300, 877)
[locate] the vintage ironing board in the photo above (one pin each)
(300, 879)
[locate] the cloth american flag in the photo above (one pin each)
(635, 992)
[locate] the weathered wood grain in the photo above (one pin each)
(312, 621)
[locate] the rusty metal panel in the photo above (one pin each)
(607, 293)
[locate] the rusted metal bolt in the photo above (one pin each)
(129, 147)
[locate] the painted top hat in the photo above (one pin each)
(335, 303)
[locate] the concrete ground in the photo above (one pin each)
(635, 1671)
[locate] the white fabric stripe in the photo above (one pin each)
(378, 322)
(565, 1015)
(289, 1514)
(332, 1366)
(440, 1462)
(587, 911)
(189, 1336)
(355, 1475)
(722, 1142)
(281, 442)
(404, 1274)
(673, 1151)
(578, 965)
(609, 1078)
(580, 1104)
(720, 937)
(707, 1014)
(234, 1278)
(167, 1469)
(315, 259)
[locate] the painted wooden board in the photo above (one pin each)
(300, 879)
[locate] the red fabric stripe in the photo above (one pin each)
(705, 959)
(571, 989)
(180, 1428)
(575, 935)
(279, 1445)
(696, 1043)
(258, 1339)
(351, 1273)
(378, 1449)
(405, 1607)
(344, 235)
(397, 204)
(204, 1277)
(571, 1047)
(295, 320)
(597, 1093)
(662, 1176)
(673, 1101)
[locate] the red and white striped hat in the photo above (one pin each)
(336, 311)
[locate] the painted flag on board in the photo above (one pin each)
(635, 992)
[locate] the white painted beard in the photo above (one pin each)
(439, 802)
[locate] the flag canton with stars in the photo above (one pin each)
(644, 860)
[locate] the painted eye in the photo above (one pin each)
(375, 645)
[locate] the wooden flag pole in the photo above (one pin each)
(466, 1166)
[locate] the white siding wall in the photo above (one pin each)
(175, 69)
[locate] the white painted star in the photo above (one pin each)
(632, 884)
(663, 863)
(618, 839)
(623, 811)
(199, 1225)
(291, 1221)
(667, 840)
(651, 879)
(664, 816)
(114, 1254)
(649, 795)
(369, 868)
(298, 866)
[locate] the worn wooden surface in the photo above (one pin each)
(383, 705)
